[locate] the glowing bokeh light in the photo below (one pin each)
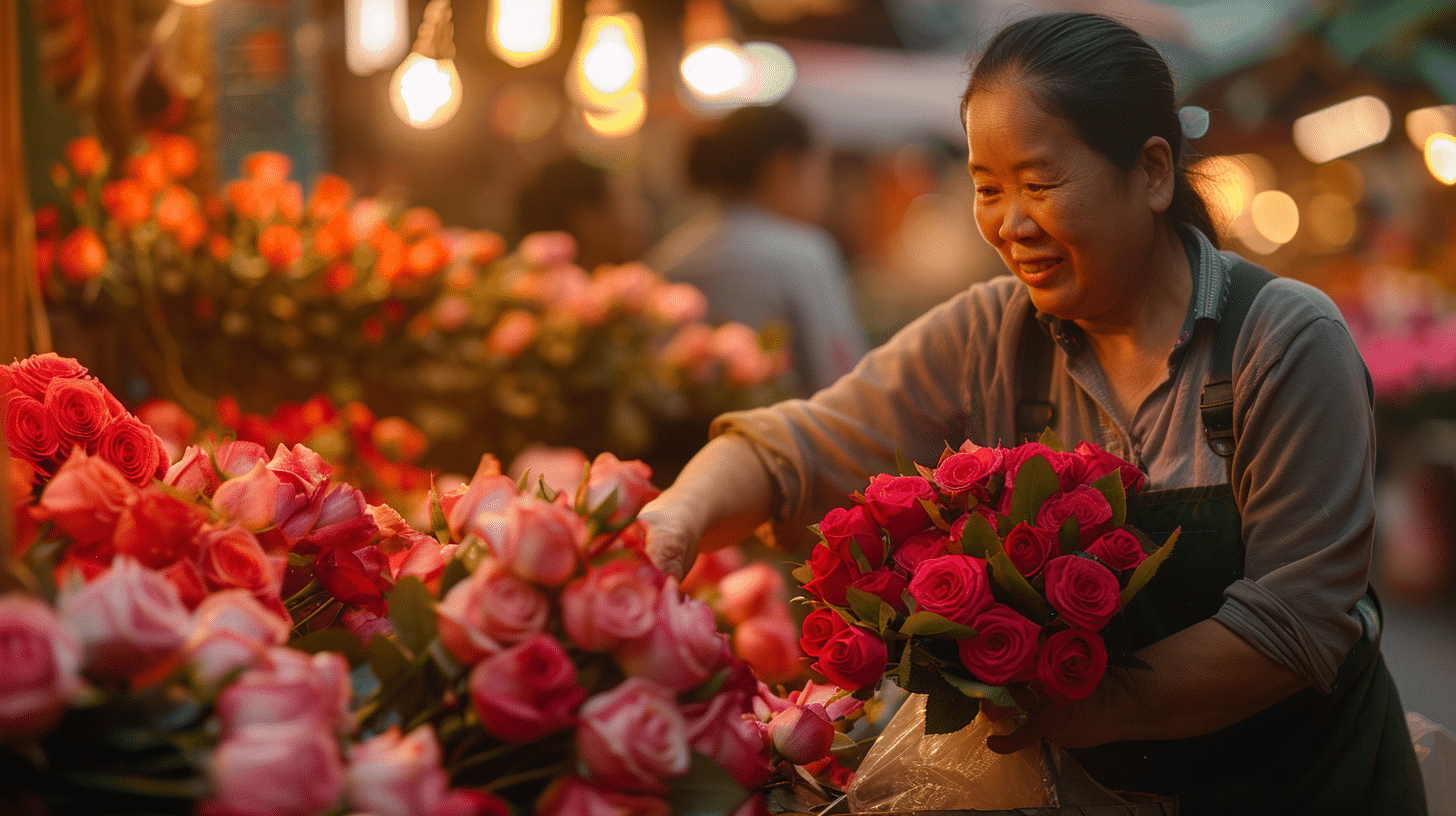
(1332, 219)
(622, 121)
(524, 32)
(1275, 215)
(1341, 129)
(1423, 123)
(1441, 157)
(714, 70)
(375, 34)
(609, 64)
(425, 92)
(771, 73)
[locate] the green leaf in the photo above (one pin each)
(1051, 440)
(342, 641)
(929, 624)
(412, 613)
(1111, 487)
(933, 510)
(977, 537)
(438, 525)
(914, 675)
(1069, 536)
(802, 574)
(947, 710)
(903, 466)
(1035, 483)
(301, 560)
(705, 790)
(999, 695)
(1024, 597)
(887, 616)
(925, 473)
(455, 572)
(385, 658)
(866, 605)
(1147, 569)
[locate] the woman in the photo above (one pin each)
(1264, 691)
(758, 254)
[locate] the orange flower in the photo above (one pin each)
(86, 157)
(461, 277)
(481, 247)
(246, 198)
(398, 440)
(427, 257)
(419, 221)
(45, 259)
(82, 256)
(179, 154)
(174, 207)
(189, 233)
(289, 196)
(331, 195)
(390, 262)
(128, 202)
(267, 166)
(47, 220)
(220, 247)
(150, 169)
(280, 245)
(339, 277)
(332, 239)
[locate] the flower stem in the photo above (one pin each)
(482, 758)
(396, 684)
(310, 616)
(526, 776)
(312, 587)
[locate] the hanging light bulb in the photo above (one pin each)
(523, 32)
(376, 33)
(606, 76)
(714, 70)
(425, 90)
(1441, 157)
(620, 121)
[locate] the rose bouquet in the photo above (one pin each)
(1000, 567)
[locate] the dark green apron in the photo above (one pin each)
(1345, 752)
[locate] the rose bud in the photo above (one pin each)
(802, 733)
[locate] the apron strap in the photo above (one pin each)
(1217, 400)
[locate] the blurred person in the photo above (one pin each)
(606, 217)
(758, 252)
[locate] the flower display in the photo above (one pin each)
(998, 567)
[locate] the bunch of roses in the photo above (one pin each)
(54, 407)
(1015, 557)
(751, 601)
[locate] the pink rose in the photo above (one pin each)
(819, 626)
(825, 695)
(526, 691)
(79, 410)
(802, 733)
(1003, 650)
(129, 618)
(193, 473)
(231, 631)
(628, 481)
(289, 769)
(305, 475)
(547, 249)
(1085, 503)
(394, 775)
(158, 529)
(832, 576)
(255, 498)
(487, 491)
(750, 592)
(538, 540)
(231, 556)
(1084, 592)
(85, 498)
(134, 449)
(956, 587)
(238, 457)
(682, 649)
(35, 372)
(633, 736)
(678, 303)
(426, 560)
(894, 503)
(719, 730)
(40, 666)
(710, 568)
(290, 687)
(969, 472)
(512, 334)
(575, 796)
(1011, 462)
(365, 624)
(170, 422)
(31, 432)
(1071, 664)
(612, 604)
(560, 468)
(847, 530)
(885, 583)
(490, 609)
(1029, 548)
(1118, 548)
(853, 658)
(924, 545)
(770, 644)
(1101, 463)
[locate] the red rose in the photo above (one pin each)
(30, 431)
(1082, 591)
(85, 499)
(158, 529)
(1003, 649)
(853, 659)
(926, 544)
(1070, 665)
(1101, 463)
(1014, 458)
(526, 691)
(956, 587)
(887, 584)
(832, 576)
(359, 578)
(820, 626)
(232, 557)
(968, 471)
(843, 529)
(35, 372)
(134, 450)
(1118, 548)
(1084, 502)
(894, 503)
(1072, 470)
(79, 410)
(1030, 547)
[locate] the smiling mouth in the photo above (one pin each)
(1038, 267)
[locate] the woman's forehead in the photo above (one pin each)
(1009, 123)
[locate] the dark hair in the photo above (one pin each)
(1104, 79)
(559, 189)
(731, 158)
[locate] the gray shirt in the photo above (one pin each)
(1302, 471)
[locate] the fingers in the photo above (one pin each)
(670, 549)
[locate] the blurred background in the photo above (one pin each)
(1328, 131)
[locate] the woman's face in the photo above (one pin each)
(1075, 229)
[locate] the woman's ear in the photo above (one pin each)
(1157, 164)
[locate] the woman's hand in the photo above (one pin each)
(672, 536)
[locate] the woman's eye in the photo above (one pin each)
(1038, 188)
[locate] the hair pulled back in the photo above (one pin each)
(731, 159)
(1104, 79)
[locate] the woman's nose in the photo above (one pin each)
(1016, 224)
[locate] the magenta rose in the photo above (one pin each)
(290, 687)
(1084, 502)
(629, 481)
(633, 736)
(853, 658)
(956, 587)
(574, 796)
(802, 733)
(832, 576)
(31, 432)
(397, 775)
(40, 666)
(887, 584)
(1003, 650)
(1013, 459)
(612, 604)
(1071, 664)
(894, 503)
(1118, 548)
(158, 529)
(682, 649)
(926, 544)
(1084, 592)
(844, 529)
(718, 730)
(85, 498)
(750, 591)
(526, 691)
(538, 540)
(1100, 463)
(1029, 548)
(290, 769)
(969, 471)
(489, 610)
(819, 626)
(79, 410)
(129, 619)
(137, 452)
